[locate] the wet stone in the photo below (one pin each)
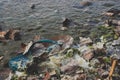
(33, 6)
(85, 3)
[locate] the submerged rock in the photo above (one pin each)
(82, 4)
(85, 3)
(33, 6)
(67, 22)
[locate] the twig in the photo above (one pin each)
(112, 68)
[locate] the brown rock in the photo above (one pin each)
(85, 3)
(13, 34)
(37, 37)
(2, 34)
(88, 55)
(67, 40)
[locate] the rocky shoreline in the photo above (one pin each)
(95, 57)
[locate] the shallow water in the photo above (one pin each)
(46, 19)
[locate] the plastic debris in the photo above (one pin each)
(20, 62)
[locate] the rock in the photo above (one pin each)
(67, 22)
(85, 41)
(116, 22)
(1, 57)
(66, 40)
(13, 35)
(86, 52)
(99, 49)
(10, 35)
(88, 55)
(63, 28)
(110, 22)
(67, 77)
(32, 78)
(112, 12)
(81, 61)
(70, 66)
(108, 4)
(32, 6)
(2, 34)
(4, 73)
(117, 30)
(98, 45)
(105, 74)
(37, 37)
(94, 62)
(100, 71)
(116, 42)
(80, 77)
(85, 3)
